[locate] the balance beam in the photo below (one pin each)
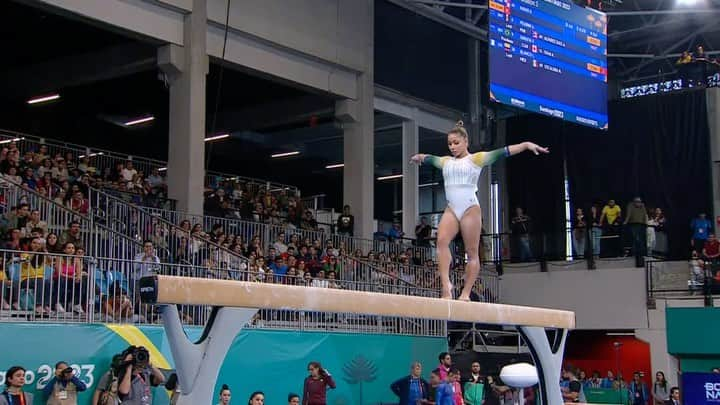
(226, 293)
(236, 302)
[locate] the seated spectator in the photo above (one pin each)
(34, 222)
(308, 222)
(69, 280)
(128, 172)
(697, 271)
(279, 243)
(685, 58)
(319, 280)
(52, 244)
(79, 203)
(14, 240)
(279, 268)
(609, 381)
(71, 235)
(32, 277)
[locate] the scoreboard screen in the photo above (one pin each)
(549, 57)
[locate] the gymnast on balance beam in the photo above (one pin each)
(461, 172)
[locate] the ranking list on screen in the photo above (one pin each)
(550, 57)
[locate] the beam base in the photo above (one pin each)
(548, 357)
(198, 364)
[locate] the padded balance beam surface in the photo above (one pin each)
(229, 293)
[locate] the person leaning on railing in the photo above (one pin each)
(32, 277)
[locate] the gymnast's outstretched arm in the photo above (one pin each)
(490, 157)
(436, 161)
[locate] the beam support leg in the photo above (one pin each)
(198, 364)
(548, 357)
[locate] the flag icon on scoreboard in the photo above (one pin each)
(534, 63)
(534, 48)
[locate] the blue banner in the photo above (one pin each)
(700, 389)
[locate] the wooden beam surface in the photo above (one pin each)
(229, 293)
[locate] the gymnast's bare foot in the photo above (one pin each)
(464, 298)
(447, 292)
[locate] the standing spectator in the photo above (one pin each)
(573, 392)
(636, 216)
(308, 222)
(225, 395)
(610, 219)
(520, 226)
(609, 381)
(137, 378)
(316, 385)
(13, 393)
(711, 250)
(440, 391)
(474, 386)
(674, 397)
(454, 381)
(579, 233)
(423, 232)
(660, 392)
(395, 232)
(346, 222)
(651, 233)
(63, 388)
(412, 388)
(661, 243)
(638, 390)
(701, 227)
(257, 398)
(128, 172)
(444, 367)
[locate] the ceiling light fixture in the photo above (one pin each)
(216, 137)
(139, 121)
(43, 99)
(162, 169)
(391, 177)
(429, 184)
(91, 155)
(335, 166)
(10, 140)
(286, 154)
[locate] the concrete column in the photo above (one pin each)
(357, 118)
(713, 112)
(410, 191)
(186, 69)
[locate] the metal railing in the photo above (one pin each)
(103, 159)
(677, 279)
(42, 287)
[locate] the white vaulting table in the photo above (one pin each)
(236, 302)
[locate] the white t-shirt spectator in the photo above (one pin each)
(155, 181)
(280, 247)
(128, 174)
(145, 265)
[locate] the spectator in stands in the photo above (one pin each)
(711, 250)
(610, 219)
(660, 232)
(79, 203)
(579, 233)
(34, 222)
(316, 385)
(60, 171)
(674, 397)
(412, 388)
(128, 172)
(701, 227)
(423, 233)
(346, 222)
(12, 175)
(64, 387)
(71, 235)
(308, 222)
(32, 277)
(595, 381)
(19, 218)
(279, 244)
(214, 202)
(636, 216)
(319, 280)
(14, 383)
(660, 393)
(395, 233)
(13, 243)
(52, 244)
(520, 226)
(638, 390)
(69, 280)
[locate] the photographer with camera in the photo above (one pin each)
(137, 377)
(106, 392)
(63, 388)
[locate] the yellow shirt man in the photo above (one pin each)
(611, 212)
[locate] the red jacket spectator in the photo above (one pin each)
(316, 385)
(711, 250)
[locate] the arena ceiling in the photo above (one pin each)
(107, 76)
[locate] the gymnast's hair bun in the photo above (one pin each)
(459, 124)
